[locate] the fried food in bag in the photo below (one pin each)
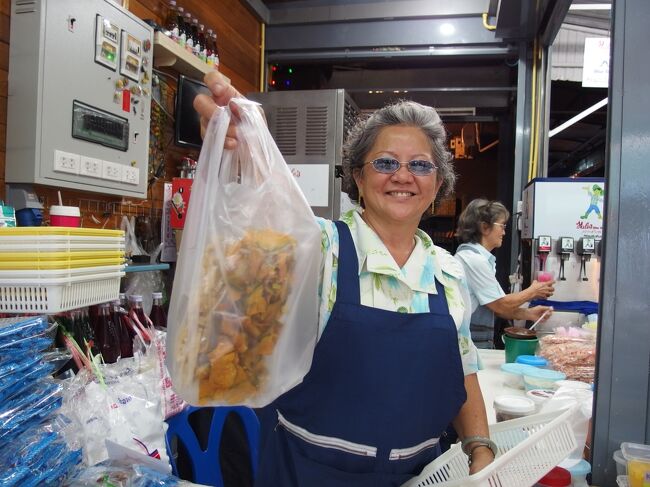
(242, 324)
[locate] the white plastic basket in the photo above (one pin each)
(528, 448)
(55, 295)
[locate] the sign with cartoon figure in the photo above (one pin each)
(564, 207)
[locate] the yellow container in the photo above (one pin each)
(60, 256)
(69, 231)
(638, 463)
(56, 264)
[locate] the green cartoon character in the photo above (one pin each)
(596, 194)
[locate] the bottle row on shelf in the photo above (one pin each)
(109, 329)
(183, 28)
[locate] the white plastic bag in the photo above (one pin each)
(242, 323)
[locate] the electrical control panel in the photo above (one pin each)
(79, 99)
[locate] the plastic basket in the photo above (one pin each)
(44, 276)
(61, 231)
(60, 256)
(56, 295)
(58, 264)
(528, 448)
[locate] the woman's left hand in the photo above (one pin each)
(481, 458)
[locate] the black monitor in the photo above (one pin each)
(188, 123)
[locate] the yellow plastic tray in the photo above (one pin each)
(54, 264)
(81, 232)
(61, 256)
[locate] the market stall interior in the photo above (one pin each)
(97, 171)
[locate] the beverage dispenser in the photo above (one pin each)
(560, 230)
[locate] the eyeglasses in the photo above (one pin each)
(502, 225)
(387, 165)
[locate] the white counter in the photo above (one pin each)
(490, 379)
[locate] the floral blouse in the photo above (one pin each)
(384, 285)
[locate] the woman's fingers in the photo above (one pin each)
(222, 90)
(205, 106)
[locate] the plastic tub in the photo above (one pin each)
(573, 384)
(539, 397)
(533, 360)
(65, 216)
(579, 473)
(638, 463)
(536, 378)
(512, 407)
(558, 477)
(621, 463)
(514, 374)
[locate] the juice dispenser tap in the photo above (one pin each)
(564, 249)
(543, 245)
(585, 249)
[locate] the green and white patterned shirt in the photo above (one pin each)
(384, 285)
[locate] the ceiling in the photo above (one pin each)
(437, 54)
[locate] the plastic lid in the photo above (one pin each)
(581, 468)
(64, 210)
(531, 360)
(573, 384)
(135, 297)
(619, 458)
(514, 404)
(635, 451)
(558, 477)
(544, 374)
(540, 395)
(514, 368)
(156, 295)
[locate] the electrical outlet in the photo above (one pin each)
(131, 175)
(112, 171)
(66, 162)
(91, 167)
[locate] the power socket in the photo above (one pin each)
(91, 167)
(131, 175)
(112, 171)
(66, 162)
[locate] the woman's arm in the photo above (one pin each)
(472, 421)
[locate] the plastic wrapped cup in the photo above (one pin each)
(512, 407)
(65, 216)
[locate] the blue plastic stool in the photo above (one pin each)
(205, 464)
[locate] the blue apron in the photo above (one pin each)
(382, 388)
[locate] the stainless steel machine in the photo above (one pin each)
(79, 96)
(309, 128)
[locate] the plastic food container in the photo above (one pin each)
(536, 378)
(573, 384)
(514, 374)
(621, 463)
(638, 463)
(558, 477)
(579, 473)
(533, 360)
(65, 216)
(539, 397)
(511, 407)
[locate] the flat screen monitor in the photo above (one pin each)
(188, 122)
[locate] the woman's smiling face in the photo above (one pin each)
(400, 196)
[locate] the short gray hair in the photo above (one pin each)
(364, 134)
(477, 212)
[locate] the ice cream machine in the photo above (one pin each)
(561, 232)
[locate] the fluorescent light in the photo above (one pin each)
(578, 117)
(590, 6)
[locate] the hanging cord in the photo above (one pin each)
(485, 22)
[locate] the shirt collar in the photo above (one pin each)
(479, 249)
(426, 261)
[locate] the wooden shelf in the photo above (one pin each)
(167, 53)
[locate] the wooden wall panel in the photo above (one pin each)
(239, 39)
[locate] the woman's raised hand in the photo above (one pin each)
(222, 93)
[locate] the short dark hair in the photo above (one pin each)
(364, 134)
(477, 212)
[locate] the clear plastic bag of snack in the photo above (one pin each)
(242, 320)
(571, 351)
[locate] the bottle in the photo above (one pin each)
(158, 315)
(216, 50)
(195, 35)
(107, 335)
(170, 28)
(209, 50)
(88, 331)
(182, 27)
(189, 35)
(120, 318)
(201, 43)
(137, 312)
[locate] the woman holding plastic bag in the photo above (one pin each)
(394, 363)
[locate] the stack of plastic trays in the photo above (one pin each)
(54, 269)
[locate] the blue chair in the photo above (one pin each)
(206, 468)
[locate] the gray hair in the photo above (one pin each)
(479, 211)
(363, 135)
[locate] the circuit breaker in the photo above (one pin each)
(79, 100)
